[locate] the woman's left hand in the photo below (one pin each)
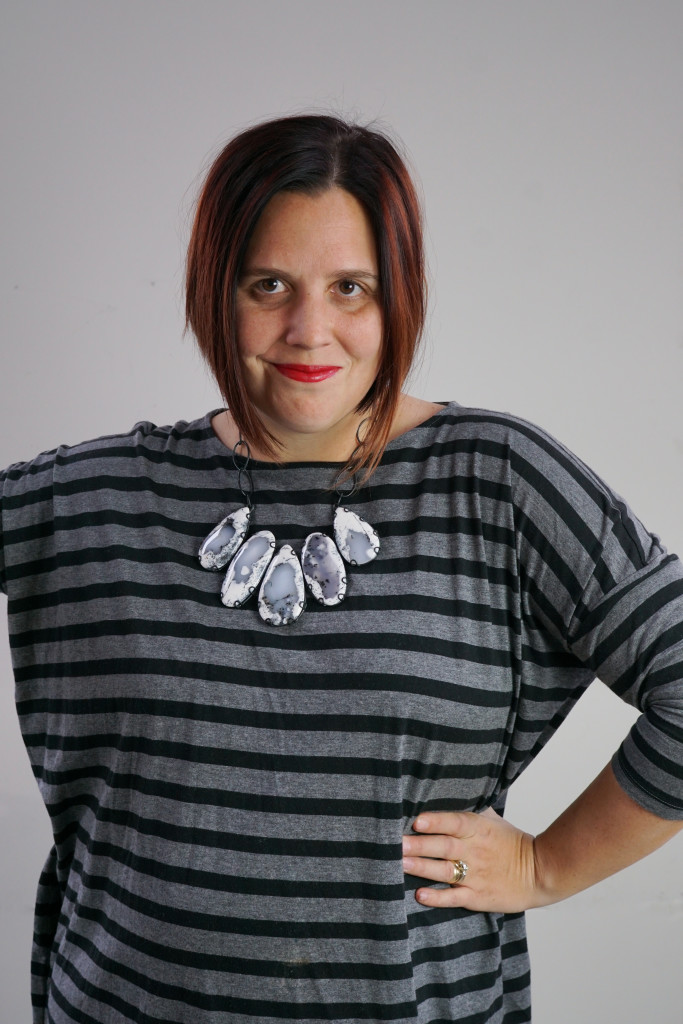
(502, 872)
(603, 831)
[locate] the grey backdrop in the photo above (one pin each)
(548, 137)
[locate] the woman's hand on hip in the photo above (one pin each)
(603, 831)
(501, 874)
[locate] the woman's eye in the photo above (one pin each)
(270, 285)
(349, 288)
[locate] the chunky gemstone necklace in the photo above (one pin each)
(253, 561)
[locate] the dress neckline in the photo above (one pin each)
(397, 442)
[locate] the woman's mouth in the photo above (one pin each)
(303, 372)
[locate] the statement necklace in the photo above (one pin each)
(281, 575)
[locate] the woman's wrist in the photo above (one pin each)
(601, 833)
(554, 878)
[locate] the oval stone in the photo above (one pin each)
(282, 597)
(323, 569)
(246, 569)
(221, 544)
(356, 539)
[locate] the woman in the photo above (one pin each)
(233, 772)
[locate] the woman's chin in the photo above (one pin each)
(315, 434)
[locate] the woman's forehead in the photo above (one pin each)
(327, 225)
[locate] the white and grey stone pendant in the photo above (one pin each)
(221, 544)
(323, 569)
(246, 569)
(282, 596)
(253, 562)
(356, 539)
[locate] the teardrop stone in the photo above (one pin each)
(356, 539)
(246, 569)
(221, 544)
(323, 569)
(282, 596)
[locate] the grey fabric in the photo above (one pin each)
(228, 799)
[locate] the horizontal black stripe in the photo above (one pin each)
(83, 630)
(519, 984)
(553, 658)
(432, 565)
(212, 1001)
(251, 718)
(227, 757)
(222, 839)
(228, 494)
(245, 966)
(140, 785)
(101, 668)
(453, 950)
(377, 931)
(655, 756)
(223, 882)
(115, 449)
(480, 982)
(666, 799)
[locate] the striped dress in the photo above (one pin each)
(228, 798)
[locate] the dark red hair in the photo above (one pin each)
(307, 153)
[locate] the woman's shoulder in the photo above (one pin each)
(553, 489)
(144, 440)
(490, 427)
(504, 446)
(486, 423)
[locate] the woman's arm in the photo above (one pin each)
(603, 831)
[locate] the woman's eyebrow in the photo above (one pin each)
(277, 272)
(368, 274)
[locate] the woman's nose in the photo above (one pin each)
(309, 322)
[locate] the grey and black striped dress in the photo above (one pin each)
(228, 798)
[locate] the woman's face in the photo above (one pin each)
(309, 322)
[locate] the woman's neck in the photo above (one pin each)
(334, 446)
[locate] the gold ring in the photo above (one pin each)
(459, 872)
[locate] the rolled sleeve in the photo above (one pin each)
(632, 639)
(601, 588)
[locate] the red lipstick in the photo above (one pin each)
(305, 373)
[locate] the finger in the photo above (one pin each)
(444, 847)
(454, 896)
(454, 823)
(427, 867)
